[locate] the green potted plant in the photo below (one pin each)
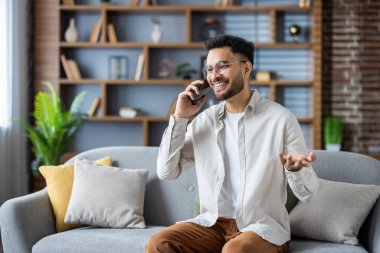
(54, 126)
(184, 71)
(333, 131)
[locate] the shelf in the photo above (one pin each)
(305, 120)
(110, 7)
(86, 44)
(156, 96)
(178, 82)
(281, 83)
(126, 82)
(136, 119)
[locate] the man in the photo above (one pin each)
(245, 150)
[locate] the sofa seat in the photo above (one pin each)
(96, 239)
(28, 224)
(298, 245)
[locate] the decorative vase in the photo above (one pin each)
(71, 34)
(333, 147)
(157, 33)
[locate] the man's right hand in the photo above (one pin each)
(184, 107)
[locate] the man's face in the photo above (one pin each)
(230, 82)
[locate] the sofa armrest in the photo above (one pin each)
(25, 220)
(369, 234)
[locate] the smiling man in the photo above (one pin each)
(245, 151)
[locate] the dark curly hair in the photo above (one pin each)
(237, 45)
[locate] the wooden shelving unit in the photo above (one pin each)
(188, 12)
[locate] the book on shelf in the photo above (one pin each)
(66, 67)
(94, 107)
(139, 67)
(111, 33)
(96, 29)
(74, 69)
(127, 112)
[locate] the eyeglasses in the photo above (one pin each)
(220, 68)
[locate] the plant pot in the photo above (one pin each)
(38, 183)
(333, 147)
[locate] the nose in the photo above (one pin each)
(213, 74)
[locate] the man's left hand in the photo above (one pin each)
(297, 161)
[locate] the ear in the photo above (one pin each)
(248, 67)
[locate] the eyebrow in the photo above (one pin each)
(208, 65)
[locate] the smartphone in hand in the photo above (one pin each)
(203, 90)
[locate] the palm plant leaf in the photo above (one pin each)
(54, 127)
(77, 102)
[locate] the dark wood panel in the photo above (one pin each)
(46, 42)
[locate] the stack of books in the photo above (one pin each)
(71, 68)
(97, 31)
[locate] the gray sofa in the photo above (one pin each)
(28, 225)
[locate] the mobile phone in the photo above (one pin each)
(203, 90)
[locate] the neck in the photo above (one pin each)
(239, 102)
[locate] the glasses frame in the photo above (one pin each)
(207, 74)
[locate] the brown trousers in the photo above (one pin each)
(224, 236)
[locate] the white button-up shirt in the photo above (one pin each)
(267, 129)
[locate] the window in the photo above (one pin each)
(4, 84)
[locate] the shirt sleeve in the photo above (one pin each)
(176, 152)
(304, 183)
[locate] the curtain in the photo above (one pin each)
(14, 96)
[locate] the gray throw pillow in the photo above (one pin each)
(107, 196)
(335, 213)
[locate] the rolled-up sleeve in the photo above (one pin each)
(304, 183)
(176, 152)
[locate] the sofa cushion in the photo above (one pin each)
(97, 240)
(107, 196)
(335, 213)
(298, 245)
(59, 181)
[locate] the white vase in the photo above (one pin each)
(157, 33)
(71, 33)
(333, 147)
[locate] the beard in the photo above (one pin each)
(236, 86)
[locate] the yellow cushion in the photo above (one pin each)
(59, 181)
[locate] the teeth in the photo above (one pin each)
(217, 85)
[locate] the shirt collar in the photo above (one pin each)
(255, 98)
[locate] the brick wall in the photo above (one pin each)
(351, 70)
